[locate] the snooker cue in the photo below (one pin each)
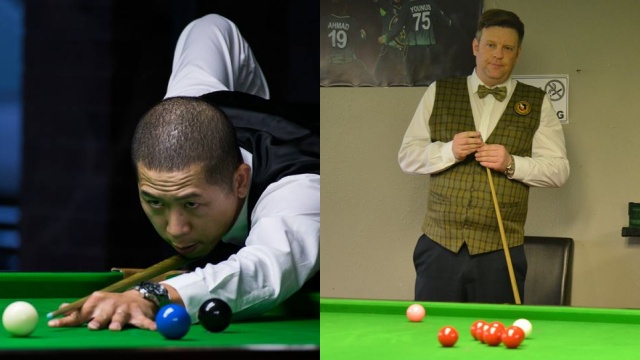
(503, 236)
(160, 268)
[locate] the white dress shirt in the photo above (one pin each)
(282, 250)
(548, 165)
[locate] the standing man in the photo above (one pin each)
(456, 133)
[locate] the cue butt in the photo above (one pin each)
(153, 271)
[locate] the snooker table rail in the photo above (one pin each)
(539, 312)
(15, 285)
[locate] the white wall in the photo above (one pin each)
(372, 212)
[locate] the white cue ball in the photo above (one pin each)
(525, 325)
(20, 318)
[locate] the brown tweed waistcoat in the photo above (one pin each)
(460, 205)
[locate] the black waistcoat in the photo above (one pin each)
(282, 137)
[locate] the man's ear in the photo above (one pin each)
(475, 46)
(241, 180)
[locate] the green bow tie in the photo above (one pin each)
(500, 93)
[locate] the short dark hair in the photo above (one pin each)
(180, 132)
(502, 18)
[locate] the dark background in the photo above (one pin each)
(91, 69)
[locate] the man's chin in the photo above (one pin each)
(199, 253)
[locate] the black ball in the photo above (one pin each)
(215, 315)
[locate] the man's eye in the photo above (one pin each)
(154, 203)
(191, 205)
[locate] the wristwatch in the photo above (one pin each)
(153, 292)
(511, 168)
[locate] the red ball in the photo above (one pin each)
(448, 336)
(416, 312)
(482, 331)
(512, 337)
(475, 327)
(497, 324)
(493, 335)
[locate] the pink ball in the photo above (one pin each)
(416, 312)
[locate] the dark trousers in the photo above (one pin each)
(442, 275)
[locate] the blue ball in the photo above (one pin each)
(173, 321)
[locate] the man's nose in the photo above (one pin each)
(177, 224)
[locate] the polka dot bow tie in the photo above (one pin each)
(500, 93)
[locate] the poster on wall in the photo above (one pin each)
(396, 42)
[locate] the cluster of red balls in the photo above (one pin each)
(491, 333)
(495, 333)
